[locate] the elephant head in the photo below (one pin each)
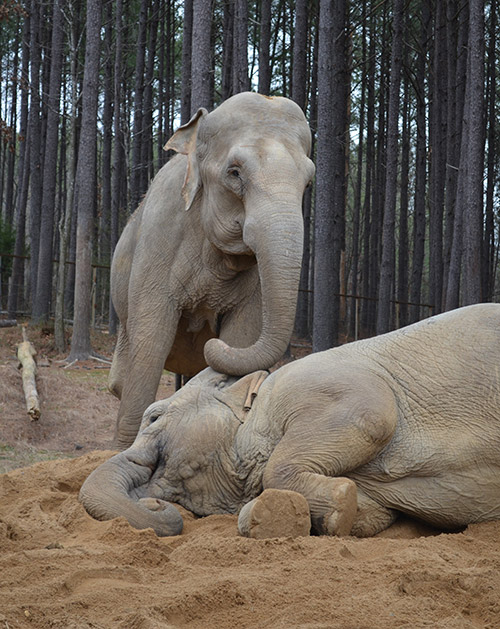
(247, 168)
(185, 453)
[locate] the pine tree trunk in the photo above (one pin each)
(264, 43)
(299, 68)
(138, 131)
(473, 199)
(489, 226)
(23, 172)
(330, 180)
(201, 59)
(65, 220)
(42, 298)
(419, 220)
(387, 267)
(85, 185)
(241, 81)
(187, 36)
(35, 133)
(118, 157)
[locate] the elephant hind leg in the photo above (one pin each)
(119, 366)
(371, 518)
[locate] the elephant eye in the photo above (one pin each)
(234, 172)
(154, 417)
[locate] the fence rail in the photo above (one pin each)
(350, 307)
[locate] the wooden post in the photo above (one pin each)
(25, 354)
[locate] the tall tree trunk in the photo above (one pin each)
(35, 132)
(455, 266)
(147, 120)
(12, 141)
(187, 37)
(403, 243)
(42, 299)
(453, 125)
(419, 219)
(23, 172)
(138, 131)
(64, 225)
(489, 224)
(437, 134)
(241, 82)
(85, 185)
(356, 218)
(264, 43)
(299, 68)
(227, 50)
(366, 305)
(387, 268)
(330, 180)
(473, 198)
(107, 137)
(201, 59)
(118, 153)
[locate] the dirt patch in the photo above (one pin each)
(61, 569)
(78, 411)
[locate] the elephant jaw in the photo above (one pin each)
(117, 489)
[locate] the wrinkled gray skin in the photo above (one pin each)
(216, 246)
(405, 422)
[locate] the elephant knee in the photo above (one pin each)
(115, 387)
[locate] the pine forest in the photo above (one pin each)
(402, 98)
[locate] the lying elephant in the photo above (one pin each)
(215, 249)
(405, 422)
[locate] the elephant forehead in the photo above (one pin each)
(226, 124)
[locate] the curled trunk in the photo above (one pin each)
(107, 493)
(277, 241)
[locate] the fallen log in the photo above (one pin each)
(7, 323)
(25, 354)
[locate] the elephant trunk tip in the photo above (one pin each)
(105, 495)
(235, 361)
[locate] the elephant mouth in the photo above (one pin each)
(240, 261)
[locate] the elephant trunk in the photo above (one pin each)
(108, 493)
(275, 235)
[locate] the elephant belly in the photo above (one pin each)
(448, 499)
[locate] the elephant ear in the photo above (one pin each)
(240, 396)
(184, 141)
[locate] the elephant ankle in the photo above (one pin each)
(340, 518)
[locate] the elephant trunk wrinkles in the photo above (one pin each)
(107, 491)
(277, 241)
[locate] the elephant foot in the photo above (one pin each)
(341, 519)
(275, 513)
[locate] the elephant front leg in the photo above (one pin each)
(148, 350)
(285, 513)
(332, 502)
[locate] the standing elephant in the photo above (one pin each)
(405, 422)
(215, 249)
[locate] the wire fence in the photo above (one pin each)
(99, 293)
(353, 321)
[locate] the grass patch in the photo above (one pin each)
(22, 456)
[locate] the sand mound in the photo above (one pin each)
(61, 568)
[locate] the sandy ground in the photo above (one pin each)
(59, 568)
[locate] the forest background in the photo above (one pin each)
(401, 96)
